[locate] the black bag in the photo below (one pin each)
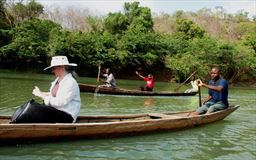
(33, 112)
(19, 114)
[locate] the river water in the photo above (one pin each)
(232, 138)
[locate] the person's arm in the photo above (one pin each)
(207, 99)
(139, 75)
(201, 84)
(215, 88)
(104, 75)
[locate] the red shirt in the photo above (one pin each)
(150, 82)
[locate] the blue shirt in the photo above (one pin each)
(222, 95)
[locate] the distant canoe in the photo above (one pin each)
(119, 91)
(100, 126)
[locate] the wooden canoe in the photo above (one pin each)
(99, 126)
(119, 91)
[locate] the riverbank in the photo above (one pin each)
(243, 84)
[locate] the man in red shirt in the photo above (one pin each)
(149, 82)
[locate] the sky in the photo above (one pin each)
(102, 7)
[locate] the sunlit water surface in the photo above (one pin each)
(231, 138)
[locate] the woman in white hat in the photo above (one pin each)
(62, 103)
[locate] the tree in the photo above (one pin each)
(140, 49)
(116, 23)
(4, 25)
(197, 54)
(134, 16)
(19, 12)
(95, 23)
(241, 16)
(138, 16)
(250, 40)
(3, 22)
(188, 29)
(29, 41)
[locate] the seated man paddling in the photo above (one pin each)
(217, 93)
(110, 79)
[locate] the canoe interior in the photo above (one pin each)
(116, 118)
(119, 118)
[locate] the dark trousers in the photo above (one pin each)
(39, 113)
(145, 89)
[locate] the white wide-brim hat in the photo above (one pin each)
(60, 61)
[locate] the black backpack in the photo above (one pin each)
(21, 112)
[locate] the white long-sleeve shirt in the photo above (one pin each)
(110, 79)
(67, 98)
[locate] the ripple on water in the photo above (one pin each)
(236, 156)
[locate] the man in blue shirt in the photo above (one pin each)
(217, 93)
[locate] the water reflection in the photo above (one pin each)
(148, 102)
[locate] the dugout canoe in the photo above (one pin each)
(120, 91)
(100, 126)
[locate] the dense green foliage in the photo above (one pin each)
(4, 26)
(131, 41)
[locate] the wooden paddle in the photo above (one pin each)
(176, 89)
(199, 96)
(98, 78)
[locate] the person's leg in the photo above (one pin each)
(216, 107)
(148, 89)
(142, 88)
(38, 113)
(201, 110)
(57, 116)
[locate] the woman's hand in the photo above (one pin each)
(38, 93)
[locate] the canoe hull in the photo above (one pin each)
(119, 91)
(91, 127)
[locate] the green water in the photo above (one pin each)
(231, 138)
